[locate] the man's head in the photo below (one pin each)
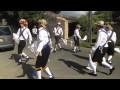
(42, 23)
(23, 22)
(99, 24)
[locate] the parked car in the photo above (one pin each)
(6, 37)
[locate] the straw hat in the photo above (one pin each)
(42, 22)
(23, 21)
(78, 26)
(100, 23)
(59, 23)
(109, 27)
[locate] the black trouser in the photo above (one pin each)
(57, 39)
(35, 36)
(21, 46)
(42, 60)
(76, 40)
(110, 50)
(98, 56)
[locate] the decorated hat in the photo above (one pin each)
(78, 26)
(42, 22)
(109, 27)
(59, 23)
(100, 23)
(23, 21)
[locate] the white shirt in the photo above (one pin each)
(26, 34)
(113, 38)
(101, 39)
(43, 38)
(34, 30)
(58, 31)
(77, 34)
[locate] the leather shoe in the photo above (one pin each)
(111, 70)
(52, 77)
(92, 74)
(19, 63)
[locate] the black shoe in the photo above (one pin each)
(19, 63)
(27, 59)
(111, 70)
(109, 62)
(92, 74)
(74, 52)
(54, 51)
(79, 50)
(60, 49)
(52, 77)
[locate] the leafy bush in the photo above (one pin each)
(86, 44)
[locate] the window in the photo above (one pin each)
(5, 31)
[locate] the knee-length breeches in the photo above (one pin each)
(98, 56)
(110, 50)
(42, 60)
(76, 40)
(21, 46)
(57, 39)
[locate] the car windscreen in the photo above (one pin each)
(5, 31)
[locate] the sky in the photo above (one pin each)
(74, 13)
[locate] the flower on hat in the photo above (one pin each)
(42, 22)
(23, 21)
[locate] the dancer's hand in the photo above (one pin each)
(29, 42)
(90, 51)
(38, 53)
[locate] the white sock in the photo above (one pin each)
(75, 48)
(59, 45)
(89, 67)
(55, 49)
(71, 43)
(110, 57)
(94, 68)
(110, 61)
(48, 72)
(39, 74)
(20, 57)
(24, 54)
(104, 59)
(20, 60)
(106, 64)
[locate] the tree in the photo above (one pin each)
(116, 16)
(104, 15)
(83, 21)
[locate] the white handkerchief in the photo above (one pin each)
(64, 41)
(117, 50)
(85, 37)
(33, 47)
(91, 65)
(16, 37)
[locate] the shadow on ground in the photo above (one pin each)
(75, 66)
(82, 57)
(15, 57)
(67, 50)
(27, 70)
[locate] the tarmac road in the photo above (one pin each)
(63, 64)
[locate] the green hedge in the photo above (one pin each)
(86, 44)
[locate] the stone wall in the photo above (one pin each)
(64, 25)
(52, 22)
